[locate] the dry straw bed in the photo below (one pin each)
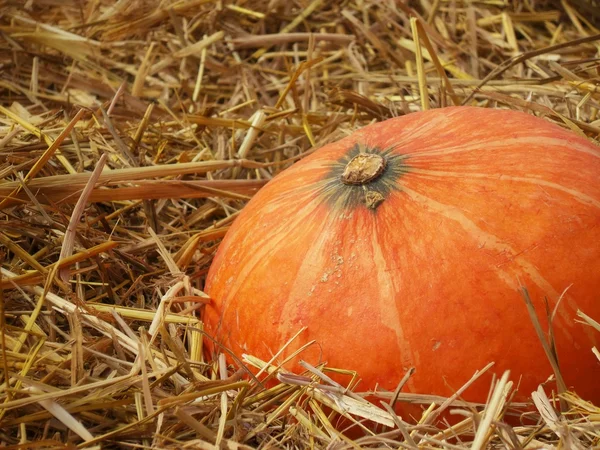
(132, 132)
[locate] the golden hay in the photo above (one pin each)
(131, 134)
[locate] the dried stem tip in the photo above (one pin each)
(363, 168)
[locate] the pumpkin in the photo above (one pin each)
(406, 244)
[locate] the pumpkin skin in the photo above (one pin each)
(422, 265)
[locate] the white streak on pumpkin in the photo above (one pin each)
(579, 196)
(314, 264)
(388, 302)
(263, 248)
(493, 242)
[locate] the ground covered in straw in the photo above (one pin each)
(132, 133)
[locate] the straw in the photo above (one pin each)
(132, 134)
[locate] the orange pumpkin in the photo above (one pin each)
(405, 245)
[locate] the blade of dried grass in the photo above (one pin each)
(303, 418)
(303, 66)
(150, 189)
(32, 354)
(373, 39)
(169, 261)
(152, 18)
(437, 412)
(492, 411)
(115, 98)
(267, 366)
(3, 341)
(268, 40)
(264, 400)
(9, 136)
(41, 162)
(275, 415)
(33, 198)
(123, 150)
(31, 322)
(424, 94)
(506, 65)
(320, 374)
(450, 67)
(548, 347)
(305, 12)
(21, 253)
(72, 408)
(199, 76)
(186, 253)
(461, 428)
(122, 430)
(201, 429)
(214, 389)
(63, 416)
(346, 405)
(144, 355)
(402, 383)
(553, 421)
(137, 87)
(257, 121)
(63, 393)
(422, 35)
(196, 342)
(174, 344)
(97, 323)
(400, 425)
(70, 234)
(134, 174)
(197, 47)
(587, 319)
(222, 420)
(36, 277)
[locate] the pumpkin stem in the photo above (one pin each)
(363, 168)
(373, 199)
